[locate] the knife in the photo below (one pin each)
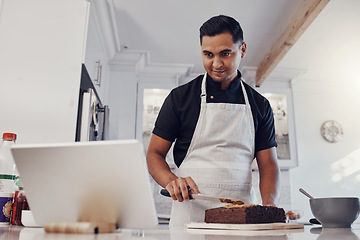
(165, 192)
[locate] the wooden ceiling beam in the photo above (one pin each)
(304, 16)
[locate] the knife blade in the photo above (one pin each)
(165, 192)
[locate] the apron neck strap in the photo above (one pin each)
(203, 89)
(244, 92)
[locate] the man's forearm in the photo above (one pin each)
(160, 170)
(269, 176)
(270, 186)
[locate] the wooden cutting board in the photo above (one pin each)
(245, 227)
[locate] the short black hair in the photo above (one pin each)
(221, 24)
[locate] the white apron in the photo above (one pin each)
(219, 157)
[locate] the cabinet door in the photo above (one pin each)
(41, 48)
(150, 100)
(96, 60)
(281, 104)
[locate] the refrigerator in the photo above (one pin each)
(93, 116)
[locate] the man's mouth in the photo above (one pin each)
(218, 71)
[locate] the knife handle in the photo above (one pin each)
(166, 193)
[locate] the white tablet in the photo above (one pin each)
(87, 181)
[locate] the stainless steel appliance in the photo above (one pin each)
(93, 116)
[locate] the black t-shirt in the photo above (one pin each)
(179, 114)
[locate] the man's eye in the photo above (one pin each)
(208, 54)
(226, 54)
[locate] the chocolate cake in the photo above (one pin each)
(245, 213)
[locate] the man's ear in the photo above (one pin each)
(243, 49)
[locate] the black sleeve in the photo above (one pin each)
(265, 133)
(167, 123)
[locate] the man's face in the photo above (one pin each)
(221, 56)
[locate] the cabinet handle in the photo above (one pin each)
(98, 75)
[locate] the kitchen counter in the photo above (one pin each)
(163, 233)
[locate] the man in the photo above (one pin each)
(220, 125)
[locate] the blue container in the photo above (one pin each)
(5, 207)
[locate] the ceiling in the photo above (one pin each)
(169, 30)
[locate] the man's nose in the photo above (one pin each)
(217, 63)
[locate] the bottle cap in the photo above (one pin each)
(9, 136)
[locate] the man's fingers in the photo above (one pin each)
(174, 191)
(190, 182)
(184, 191)
(179, 188)
(177, 192)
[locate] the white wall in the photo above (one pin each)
(123, 100)
(325, 169)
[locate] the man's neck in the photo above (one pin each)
(225, 85)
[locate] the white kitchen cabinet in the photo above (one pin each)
(42, 49)
(282, 106)
(150, 98)
(43, 45)
(96, 59)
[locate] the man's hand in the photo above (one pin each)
(269, 204)
(180, 188)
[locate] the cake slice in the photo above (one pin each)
(245, 213)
